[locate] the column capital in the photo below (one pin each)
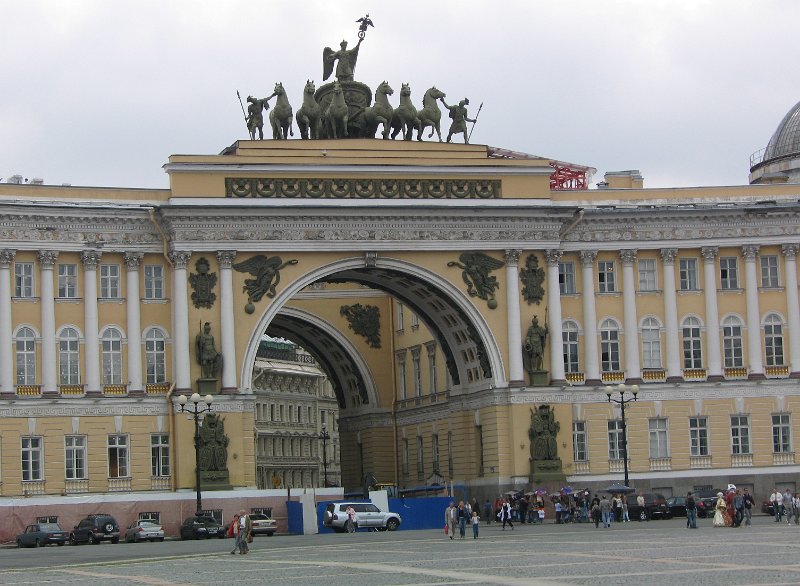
(552, 257)
(225, 258)
(512, 256)
(133, 260)
(588, 257)
(7, 257)
(788, 250)
(668, 255)
(90, 259)
(627, 256)
(750, 251)
(47, 258)
(180, 258)
(709, 253)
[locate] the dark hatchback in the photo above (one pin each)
(41, 534)
(655, 507)
(677, 507)
(200, 528)
(94, 529)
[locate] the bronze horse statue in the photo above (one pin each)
(380, 113)
(309, 116)
(404, 118)
(281, 116)
(430, 115)
(337, 114)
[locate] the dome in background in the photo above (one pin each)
(779, 162)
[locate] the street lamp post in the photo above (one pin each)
(195, 411)
(325, 436)
(622, 401)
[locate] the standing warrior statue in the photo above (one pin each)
(255, 118)
(346, 66)
(458, 114)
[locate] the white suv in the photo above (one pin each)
(367, 515)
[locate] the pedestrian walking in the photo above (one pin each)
(749, 501)
(625, 517)
(505, 515)
(787, 503)
(463, 516)
(776, 500)
(451, 519)
(245, 530)
(691, 511)
(476, 524)
(738, 508)
(606, 512)
(642, 507)
(487, 511)
(596, 513)
(233, 531)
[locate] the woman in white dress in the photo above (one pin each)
(719, 514)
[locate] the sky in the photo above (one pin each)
(101, 93)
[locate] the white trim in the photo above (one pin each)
(689, 472)
(360, 170)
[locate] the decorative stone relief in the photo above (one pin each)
(203, 283)
(476, 267)
(532, 277)
(266, 273)
(364, 320)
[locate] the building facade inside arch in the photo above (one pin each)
(442, 295)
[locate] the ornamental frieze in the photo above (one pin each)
(363, 188)
(344, 235)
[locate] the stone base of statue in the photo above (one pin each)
(545, 471)
(357, 95)
(215, 480)
(207, 386)
(539, 378)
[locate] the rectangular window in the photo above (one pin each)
(698, 436)
(435, 452)
(605, 276)
(692, 348)
(566, 278)
(67, 281)
(569, 337)
(781, 434)
(401, 324)
(159, 454)
(615, 439)
(23, 279)
(152, 516)
(659, 443)
(153, 282)
(481, 462)
(740, 434)
(405, 457)
(579, 444)
(75, 457)
(417, 372)
(401, 375)
(609, 350)
(773, 341)
(420, 458)
(118, 456)
(688, 274)
(728, 272)
(769, 272)
(32, 459)
(109, 281)
(25, 345)
(647, 274)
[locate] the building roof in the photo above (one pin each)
(786, 138)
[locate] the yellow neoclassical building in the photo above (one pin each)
(410, 272)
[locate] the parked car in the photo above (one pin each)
(655, 507)
(144, 531)
(94, 529)
(367, 515)
(677, 507)
(41, 534)
(263, 524)
(200, 527)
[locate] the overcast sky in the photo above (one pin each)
(99, 92)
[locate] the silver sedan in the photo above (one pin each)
(144, 531)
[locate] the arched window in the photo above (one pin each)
(111, 345)
(609, 345)
(569, 334)
(25, 342)
(692, 348)
(732, 342)
(651, 343)
(69, 357)
(156, 354)
(773, 340)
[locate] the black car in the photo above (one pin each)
(201, 527)
(41, 534)
(94, 529)
(655, 507)
(677, 507)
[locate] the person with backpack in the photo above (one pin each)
(691, 511)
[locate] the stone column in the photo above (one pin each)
(227, 323)
(516, 371)
(132, 262)
(713, 346)
(180, 319)
(793, 307)
(90, 259)
(6, 329)
(557, 376)
(592, 357)
(633, 368)
(756, 363)
(673, 348)
(47, 304)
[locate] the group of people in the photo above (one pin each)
(613, 510)
(733, 507)
(785, 504)
(459, 516)
(241, 529)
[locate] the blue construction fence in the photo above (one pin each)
(415, 513)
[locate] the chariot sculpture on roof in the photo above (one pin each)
(343, 108)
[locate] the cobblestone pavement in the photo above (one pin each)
(654, 553)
